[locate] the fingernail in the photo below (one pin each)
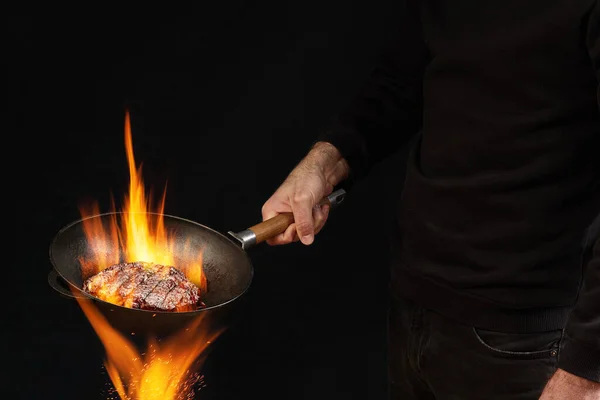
(307, 239)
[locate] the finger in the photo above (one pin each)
(302, 207)
(288, 236)
(320, 216)
(268, 210)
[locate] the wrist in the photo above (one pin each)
(324, 153)
(330, 161)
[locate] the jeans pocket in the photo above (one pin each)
(520, 345)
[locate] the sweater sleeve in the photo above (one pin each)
(387, 111)
(581, 350)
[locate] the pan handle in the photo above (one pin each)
(57, 283)
(278, 224)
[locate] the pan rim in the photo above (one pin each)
(198, 311)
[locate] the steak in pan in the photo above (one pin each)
(145, 286)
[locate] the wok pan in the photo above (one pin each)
(227, 266)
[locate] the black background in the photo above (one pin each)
(225, 98)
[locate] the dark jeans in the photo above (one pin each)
(433, 357)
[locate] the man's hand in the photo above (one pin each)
(312, 179)
(566, 386)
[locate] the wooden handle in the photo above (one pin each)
(272, 226)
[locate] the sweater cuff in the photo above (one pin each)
(350, 144)
(580, 358)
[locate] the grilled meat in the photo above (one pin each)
(146, 286)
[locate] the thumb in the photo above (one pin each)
(302, 205)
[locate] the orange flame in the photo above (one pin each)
(164, 370)
(139, 235)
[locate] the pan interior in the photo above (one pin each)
(227, 267)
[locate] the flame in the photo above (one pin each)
(164, 372)
(164, 369)
(139, 235)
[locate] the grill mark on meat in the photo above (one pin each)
(123, 275)
(138, 275)
(157, 296)
(182, 297)
(184, 293)
(178, 296)
(138, 281)
(146, 287)
(167, 301)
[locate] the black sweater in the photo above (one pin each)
(501, 102)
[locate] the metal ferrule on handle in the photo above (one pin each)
(246, 238)
(278, 224)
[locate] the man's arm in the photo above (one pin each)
(579, 360)
(387, 112)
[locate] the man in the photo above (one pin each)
(495, 289)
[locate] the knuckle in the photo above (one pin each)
(266, 209)
(302, 197)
